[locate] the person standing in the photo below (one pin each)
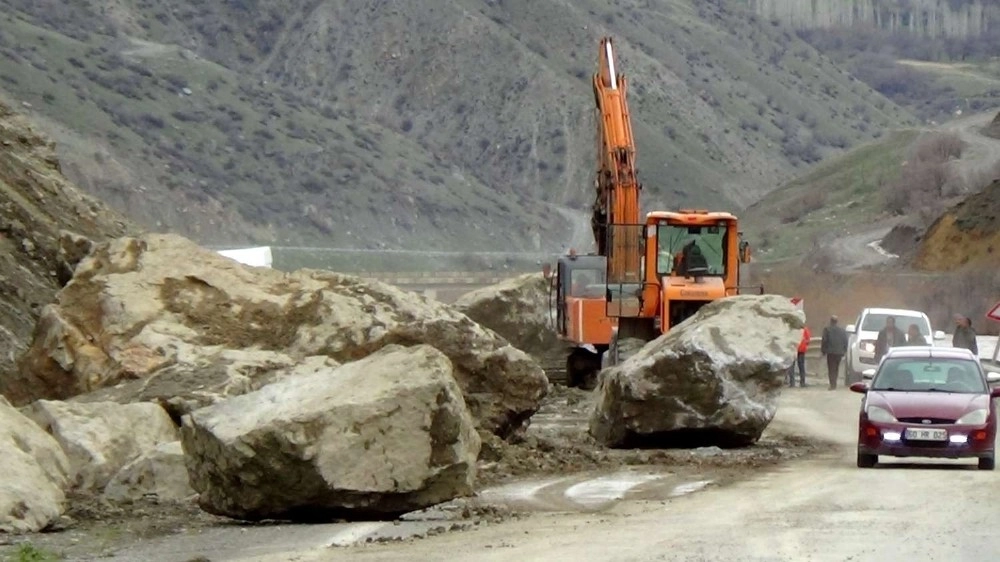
(834, 347)
(965, 336)
(888, 337)
(800, 359)
(914, 337)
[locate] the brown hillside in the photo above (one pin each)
(37, 205)
(966, 234)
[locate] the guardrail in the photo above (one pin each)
(436, 277)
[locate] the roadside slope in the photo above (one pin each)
(37, 203)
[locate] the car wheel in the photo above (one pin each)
(867, 461)
(986, 463)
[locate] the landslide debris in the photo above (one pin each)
(46, 224)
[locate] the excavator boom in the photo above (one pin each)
(617, 186)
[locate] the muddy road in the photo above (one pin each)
(820, 508)
(556, 496)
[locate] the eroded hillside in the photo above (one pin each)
(459, 124)
(967, 234)
(37, 204)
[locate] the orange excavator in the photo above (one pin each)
(647, 275)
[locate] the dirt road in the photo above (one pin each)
(820, 509)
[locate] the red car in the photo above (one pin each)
(927, 402)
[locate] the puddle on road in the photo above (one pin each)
(689, 488)
(605, 489)
(585, 492)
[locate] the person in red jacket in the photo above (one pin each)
(800, 359)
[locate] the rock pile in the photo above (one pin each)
(170, 321)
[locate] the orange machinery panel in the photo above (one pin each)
(587, 321)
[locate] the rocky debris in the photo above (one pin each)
(35, 474)
(160, 473)
(37, 203)
(714, 379)
(518, 309)
(140, 305)
(102, 437)
(206, 378)
(558, 443)
(380, 436)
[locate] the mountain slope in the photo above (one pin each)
(453, 124)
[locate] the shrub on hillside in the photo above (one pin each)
(926, 178)
(939, 147)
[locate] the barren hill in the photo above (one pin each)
(455, 124)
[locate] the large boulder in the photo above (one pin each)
(160, 473)
(36, 474)
(102, 437)
(380, 436)
(519, 310)
(714, 379)
(205, 377)
(136, 306)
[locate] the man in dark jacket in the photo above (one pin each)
(965, 336)
(834, 347)
(888, 337)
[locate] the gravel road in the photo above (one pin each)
(819, 509)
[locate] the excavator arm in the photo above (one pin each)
(616, 214)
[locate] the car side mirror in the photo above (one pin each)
(992, 377)
(938, 335)
(850, 329)
(868, 374)
(859, 387)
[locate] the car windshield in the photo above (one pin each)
(935, 374)
(875, 322)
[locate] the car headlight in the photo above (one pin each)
(866, 346)
(880, 415)
(975, 417)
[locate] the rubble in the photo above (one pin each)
(160, 304)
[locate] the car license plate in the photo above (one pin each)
(923, 434)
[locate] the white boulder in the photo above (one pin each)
(36, 474)
(102, 437)
(160, 473)
(714, 379)
(380, 436)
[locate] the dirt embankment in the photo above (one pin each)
(36, 204)
(966, 234)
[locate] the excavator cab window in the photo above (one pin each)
(684, 249)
